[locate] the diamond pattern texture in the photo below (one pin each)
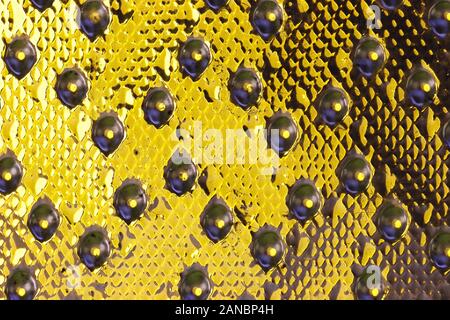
(139, 51)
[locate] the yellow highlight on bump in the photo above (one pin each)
(220, 223)
(426, 87)
(447, 252)
(183, 176)
(308, 203)
(248, 87)
(21, 291)
(197, 291)
(374, 292)
(373, 56)
(20, 55)
(160, 106)
(285, 134)
(72, 87)
(109, 134)
(271, 16)
(397, 224)
(6, 175)
(95, 17)
(360, 176)
(337, 107)
(132, 203)
(197, 56)
(447, 16)
(43, 224)
(95, 252)
(272, 252)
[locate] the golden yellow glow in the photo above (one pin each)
(447, 16)
(197, 291)
(248, 87)
(373, 56)
(337, 107)
(272, 252)
(6, 175)
(197, 56)
(108, 134)
(54, 145)
(20, 55)
(397, 224)
(360, 176)
(308, 203)
(21, 291)
(183, 176)
(374, 292)
(426, 87)
(132, 203)
(95, 251)
(447, 252)
(43, 224)
(271, 16)
(285, 134)
(95, 16)
(160, 106)
(220, 223)
(72, 87)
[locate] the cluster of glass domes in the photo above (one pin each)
(304, 200)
